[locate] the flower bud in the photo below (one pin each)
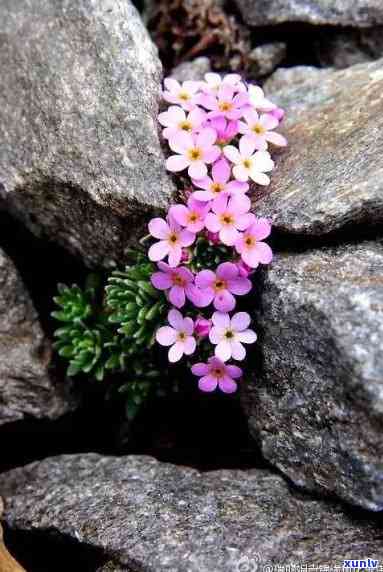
(202, 327)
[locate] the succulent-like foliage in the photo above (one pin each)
(111, 330)
(208, 255)
(135, 306)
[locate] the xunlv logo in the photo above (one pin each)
(361, 564)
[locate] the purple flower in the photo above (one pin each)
(202, 327)
(258, 100)
(229, 334)
(219, 183)
(226, 130)
(260, 128)
(180, 94)
(191, 216)
(172, 239)
(228, 217)
(179, 282)
(250, 246)
(213, 82)
(176, 121)
(179, 335)
(194, 152)
(226, 103)
(215, 374)
(218, 287)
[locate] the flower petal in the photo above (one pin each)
(240, 321)
(200, 369)
(276, 139)
(224, 301)
(223, 350)
(197, 170)
(161, 281)
(177, 296)
(176, 163)
(264, 252)
(261, 228)
(190, 346)
(159, 228)
(247, 337)
(208, 383)
(239, 286)
(246, 146)
(238, 351)
(206, 138)
(232, 154)
(221, 171)
(227, 385)
(158, 251)
(166, 336)
(221, 320)
(234, 371)
(176, 352)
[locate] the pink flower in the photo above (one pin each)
(218, 287)
(215, 374)
(179, 336)
(278, 113)
(219, 183)
(249, 164)
(228, 217)
(194, 152)
(175, 121)
(213, 82)
(180, 94)
(172, 239)
(213, 237)
(226, 130)
(202, 327)
(225, 103)
(258, 100)
(229, 335)
(191, 216)
(244, 269)
(179, 282)
(250, 246)
(260, 129)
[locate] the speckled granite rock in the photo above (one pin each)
(7, 563)
(192, 71)
(265, 58)
(80, 159)
(341, 49)
(331, 174)
(155, 517)
(317, 407)
(344, 12)
(27, 388)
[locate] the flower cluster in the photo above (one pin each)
(220, 132)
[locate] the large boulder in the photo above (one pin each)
(80, 159)
(330, 175)
(27, 386)
(316, 408)
(343, 12)
(153, 517)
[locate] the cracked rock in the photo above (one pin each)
(330, 175)
(316, 408)
(80, 159)
(155, 517)
(27, 386)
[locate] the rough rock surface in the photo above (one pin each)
(264, 59)
(192, 71)
(342, 49)
(7, 563)
(80, 159)
(317, 407)
(331, 174)
(155, 517)
(343, 12)
(26, 385)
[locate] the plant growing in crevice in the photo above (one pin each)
(184, 291)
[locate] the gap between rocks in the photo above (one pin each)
(47, 550)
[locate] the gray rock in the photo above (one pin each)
(343, 12)
(342, 49)
(80, 159)
(27, 388)
(192, 71)
(264, 59)
(286, 80)
(330, 175)
(155, 517)
(317, 407)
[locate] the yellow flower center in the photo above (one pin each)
(258, 129)
(173, 238)
(216, 188)
(178, 280)
(227, 219)
(195, 154)
(218, 372)
(181, 336)
(185, 126)
(219, 285)
(250, 241)
(193, 217)
(247, 163)
(225, 106)
(229, 335)
(184, 96)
